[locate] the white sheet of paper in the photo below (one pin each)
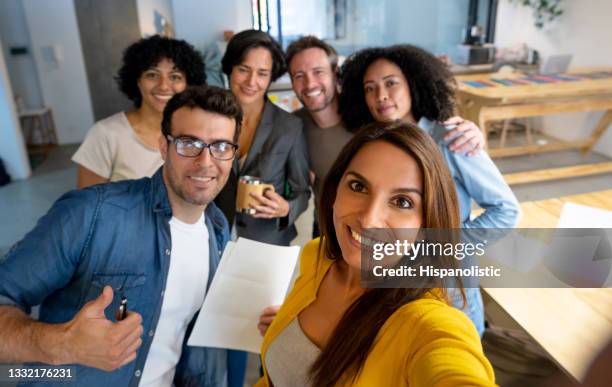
(580, 216)
(251, 276)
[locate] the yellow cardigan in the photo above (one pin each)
(424, 343)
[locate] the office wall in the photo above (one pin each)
(584, 30)
(148, 15)
(22, 70)
(201, 22)
(56, 47)
(12, 149)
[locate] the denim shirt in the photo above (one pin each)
(477, 178)
(113, 234)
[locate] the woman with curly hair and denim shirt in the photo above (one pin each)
(408, 84)
(126, 145)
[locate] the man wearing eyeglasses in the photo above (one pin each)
(155, 242)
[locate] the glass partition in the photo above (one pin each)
(349, 25)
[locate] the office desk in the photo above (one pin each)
(572, 325)
(458, 69)
(501, 102)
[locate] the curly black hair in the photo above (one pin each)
(242, 42)
(148, 52)
(432, 85)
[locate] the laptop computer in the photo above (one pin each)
(555, 64)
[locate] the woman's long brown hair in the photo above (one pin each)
(347, 349)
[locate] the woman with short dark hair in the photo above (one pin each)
(126, 145)
(330, 330)
(240, 45)
(271, 145)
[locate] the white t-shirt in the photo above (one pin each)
(183, 297)
(113, 150)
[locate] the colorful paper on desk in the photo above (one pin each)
(251, 276)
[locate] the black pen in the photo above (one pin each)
(122, 311)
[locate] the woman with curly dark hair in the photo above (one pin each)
(126, 145)
(431, 85)
(408, 84)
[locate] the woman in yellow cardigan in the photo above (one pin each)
(330, 331)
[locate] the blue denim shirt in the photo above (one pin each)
(476, 179)
(113, 234)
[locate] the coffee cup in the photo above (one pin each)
(246, 185)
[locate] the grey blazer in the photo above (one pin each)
(279, 156)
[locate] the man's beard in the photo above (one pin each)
(325, 105)
(196, 200)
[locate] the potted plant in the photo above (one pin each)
(544, 11)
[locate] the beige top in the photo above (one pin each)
(290, 357)
(114, 151)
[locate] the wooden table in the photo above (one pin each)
(572, 325)
(488, 104)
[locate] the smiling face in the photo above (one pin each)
(250, 79)
(367, 198)
(196, 181)
(387, 92)
(313, 79)
(159, 83)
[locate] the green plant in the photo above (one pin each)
(544, 11)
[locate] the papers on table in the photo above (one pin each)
(250, 277)
(579, 216)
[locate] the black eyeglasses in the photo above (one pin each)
(192, 147)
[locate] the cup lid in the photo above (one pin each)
(250, 179)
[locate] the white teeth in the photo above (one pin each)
(356, 236)
(313, 93)
(363, 240)
(204, 179)
(163, 97)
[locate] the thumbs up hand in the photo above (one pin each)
(93, 340)
(95, 309)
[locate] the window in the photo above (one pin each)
(349, 25)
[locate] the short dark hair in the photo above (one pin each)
(148, 52)
(310, 41)
(209, 98)
(242, 42)
(432, 85)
